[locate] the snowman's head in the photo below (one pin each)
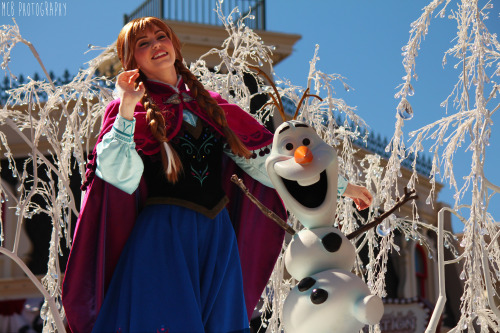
(303, 169)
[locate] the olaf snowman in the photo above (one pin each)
(328, 298)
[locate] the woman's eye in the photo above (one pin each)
(289, 146)
(306, 142)
(162, 36)
(143, 44)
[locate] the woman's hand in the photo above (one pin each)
(360, 195)
(130, 95)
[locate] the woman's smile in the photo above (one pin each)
(155, 55)
(160, 54)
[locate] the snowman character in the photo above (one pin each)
(329, 298)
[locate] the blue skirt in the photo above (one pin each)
(179, 272)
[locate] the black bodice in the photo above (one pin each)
(199, 187)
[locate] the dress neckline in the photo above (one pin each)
(159, 87)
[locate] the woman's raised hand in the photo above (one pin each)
(360, 195)
(130, 95)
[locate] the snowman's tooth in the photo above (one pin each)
(309, 181)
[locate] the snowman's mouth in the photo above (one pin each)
(310, 196)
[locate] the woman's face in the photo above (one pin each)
(154, 54)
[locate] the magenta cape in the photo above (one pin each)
(108, 214)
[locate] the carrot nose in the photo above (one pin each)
(303, 155)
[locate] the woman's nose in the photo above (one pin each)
(303, 155)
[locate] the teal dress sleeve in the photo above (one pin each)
(341, 185)
(118, 163)
(254, 167)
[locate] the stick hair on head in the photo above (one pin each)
(276, 99)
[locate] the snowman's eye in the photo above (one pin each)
(306, 283)
(306, 142)
(319, 296)
(289, 146)
(331, 242)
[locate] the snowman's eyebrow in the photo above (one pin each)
(301, 125)
(283, 129)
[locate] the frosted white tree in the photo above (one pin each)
(63, 118)
(474, 102)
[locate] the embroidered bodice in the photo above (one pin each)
(199, 187)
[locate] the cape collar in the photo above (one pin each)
(169, 94)
(159, 87)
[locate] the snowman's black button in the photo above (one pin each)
(319, 296)
(306, 283)
(332, 242)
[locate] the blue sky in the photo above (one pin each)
(360, 40)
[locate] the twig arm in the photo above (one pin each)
(401, 201)
(269, 213)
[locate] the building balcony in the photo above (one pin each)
(200, 11)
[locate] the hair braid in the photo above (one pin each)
(212, 108)
(157, 126)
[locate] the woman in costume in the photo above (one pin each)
(155, 248)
